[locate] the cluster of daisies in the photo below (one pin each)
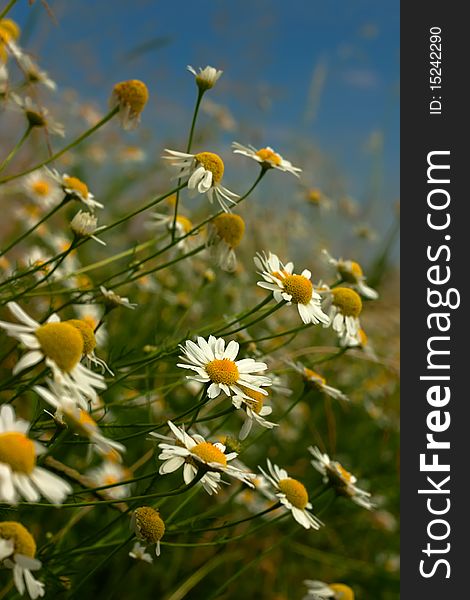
(70, 383)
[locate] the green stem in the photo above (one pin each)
(257, 320)
(16, 148)
(7, 8)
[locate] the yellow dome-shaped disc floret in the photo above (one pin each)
(41, 188)
(149, 524)
(294, 491)
(132, 94)
(347, 301)
(9, 30)
(213, 163)
(223, 371)
(344, 475)
(314, 378)
(230, 228)
(22, 539)
(17, 451)
(342, 591)
(62, 343)
(350, 271)
(256, 401)
(209, 453)
(81, 422)
(87, 333)
(76, 185)
(299, 287)
(269, 156)
(184, 223)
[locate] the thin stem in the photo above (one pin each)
(18, 145)
(80, 139)
(7, 8)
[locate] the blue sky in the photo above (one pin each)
(295, 73)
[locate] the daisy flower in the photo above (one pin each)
(267, 158)
(361, 340)
(194, 453)
(291, 288)
(75, 189)
(60, 344)
(19, 474)
(138, 552)
(317, 382)
(341, 480)
(111, 472)
(255, 410)
(78, 419)
(84, 225)
(113, 300)
(225, 234)
(148, 526)
(293, 495)
(183, 227)
(351, 272)
(131, 97)
(206, 78)
(344, 306)
(215, 365)
(37, 116)
(317, 590)
(42, 188)
(17, 552)
(317, 198)
(205, 171)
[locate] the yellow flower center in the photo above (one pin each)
(9, 29)
(351, 271)
(76, 185)
(209, 453)
(223, 371)
(314, 196)
(342, 592)
(149, 524)
(22, 539)
(62, 343)
(294, 491)
(185, 223)
(299, 287)
(17, 450)
(314, 378)
(268, 155)
(213, 163)
(87, 333)
(81, 422)
(230, 228)
(41, 188)
(345, 475)
(132, 93)
(363, 337)
(347, 301)
(256, 401)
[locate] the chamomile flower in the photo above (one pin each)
(113, 300)
(206, 78)
(138, 552)
(111, 472)
(341, 480)
(315, 197)
(344, 306)
(37, 116)
(77, 418)
(19, 474)
(351, 272)
(131, 97)
(17, 552)
(216, 366)
(225, 234)
(361, 340)
(255, 411)
(194, 454)
(40, 187)
(318, 590)
(60, 344)
(75, 189)
(184, 226)
(293, 495)
(148, 526)
(84, 225)
(318, 382)
(290, 287)
(204, 171)
(267, 158)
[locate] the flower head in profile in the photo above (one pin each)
(317, 382)
(341, 480)
(318, 590)
(267, 158)
(130, 97)
(75, 189)
(225, 235)
(351, 272)
(344, 306)
(19, 474)
(292, 495)
(290, 287)
(215, 365)
(206, 78)
(139, 552)
(184, 228)
(148, 526)
(253, 404)
(37, 116)
(315, 197)
(204, 171)
(110, 473)
(196, 455)
(43, 189)
(17, 552)
(113, 300)
(85, 225)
